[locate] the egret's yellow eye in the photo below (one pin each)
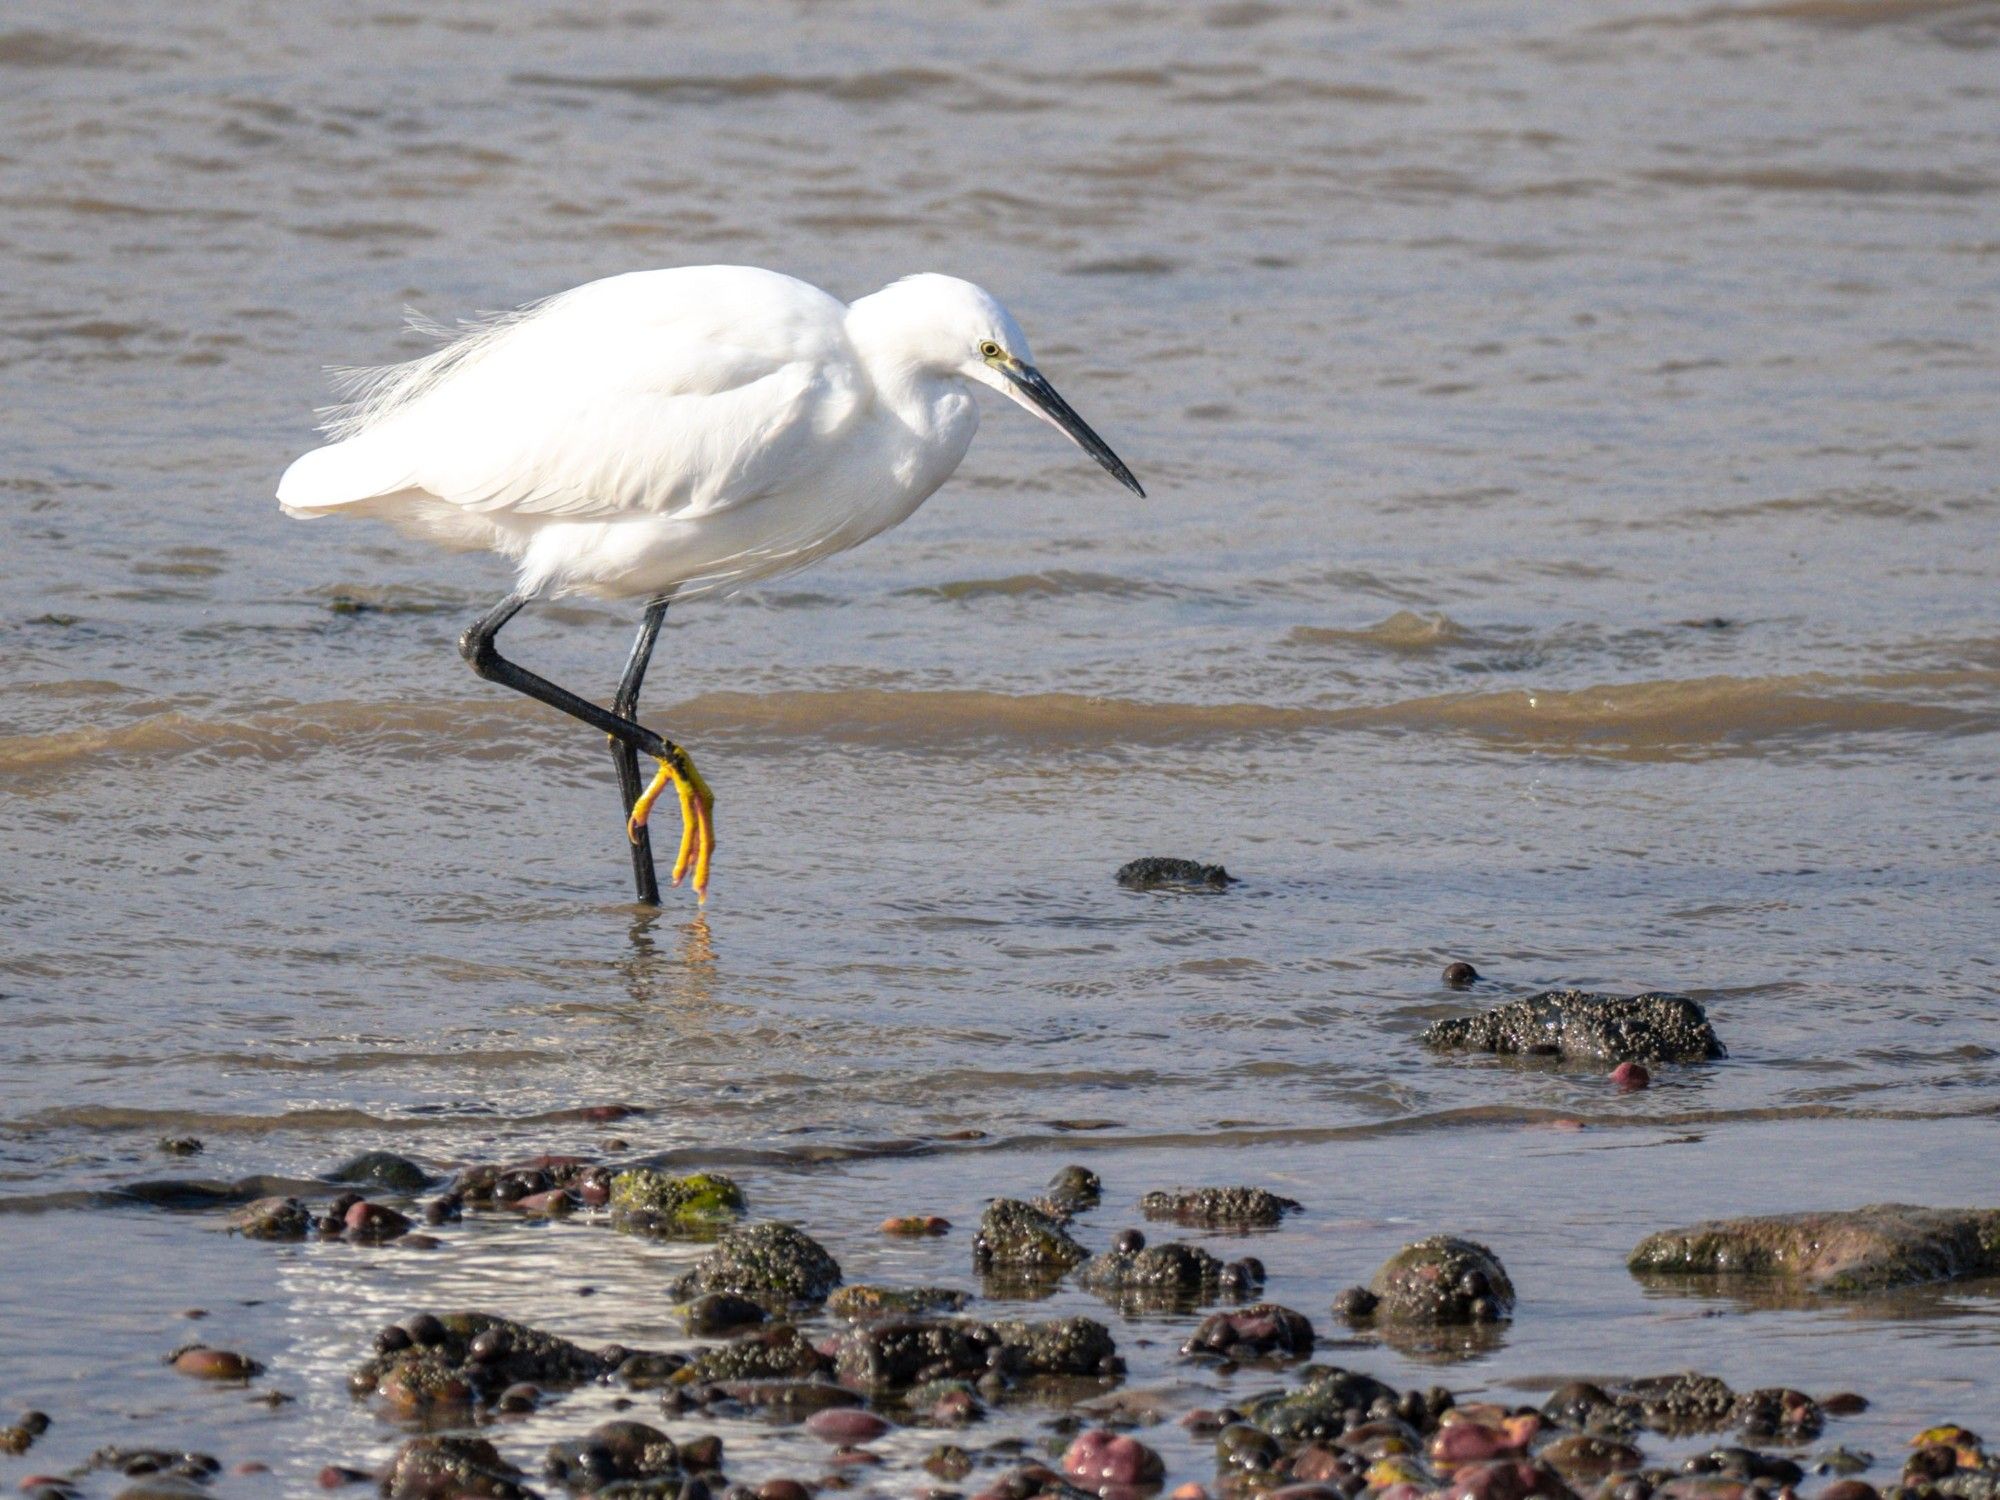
(988, 349)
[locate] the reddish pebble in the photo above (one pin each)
(215, 1364)
(852, 1458)
(783, 1489)
(1631, 1075)
(1098, 1457)
(333, 1476)
(556, 1203)
(1843, 1404)
(252, 1466)
(1189, 1491)
(604, 1114)
(374, 1221)
(846, 1424)
(915, 1224)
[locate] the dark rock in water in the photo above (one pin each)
(781, 1352)
(846, 1424)
(1073, 1190)
(1679, 1404)
(1172, 1273)
(1099, 1457)
(787, 1400)
(444, 1468)
(613, 1453)
(1356, 1303)
(1507, 1479)
(1460, 975)
(1775, 1414)
(1579, 1456)
(899, 1353)
(1252, 1333)
(1156, 874)
(1744, 1464)
(721, 1312)
(1018, 1237)
(1862, 1249)
(650, 1202)
(383, 1169)
(163, 1464)
(648, 1371)
(181, 1145)
(373, 1223)
(458, 1358)
(770, 1262)
(19, 1438)
(272, 1219)
(863, 1304)
(1574, 1025)
(1442, 1280)
(1317, 1411)
(161, 1487)
(1218, 1207)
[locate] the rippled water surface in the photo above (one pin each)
(1571, 546)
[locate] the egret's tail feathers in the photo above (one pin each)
(338, 476)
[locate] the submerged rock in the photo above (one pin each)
(272, 1219)
(1252, 1333)
(1073, 1190)
(1020, 1238)
(1317, 1411)
(898, 1354)
(721, 1312)
(863, 1304)
(769, 1261)
(383, 1169)
(458, 1358)
(624, 1454)
(1154, 873)
(1219, 1207)
(1862, 1249)
(1172, 1272)
(781, 1352)
(444, 1468)
(1575, 1025)
(1442, 1280)
(649, 1202)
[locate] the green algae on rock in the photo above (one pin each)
(1856, 1250)
(1155, 873)
(383, 1169)
(1218, 1207)
(768, 1262)
(646, 1201)
(1573, 1025)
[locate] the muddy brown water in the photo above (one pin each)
(1571, 546)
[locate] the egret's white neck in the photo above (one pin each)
(899, 350)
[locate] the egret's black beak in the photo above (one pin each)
(1038, 395)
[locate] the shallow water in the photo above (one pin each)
(1570, 546)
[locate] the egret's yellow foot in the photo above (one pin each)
(697, 815)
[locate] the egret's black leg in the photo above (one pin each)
(626, 705)
(698, 834)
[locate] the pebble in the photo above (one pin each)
(333, 1476)
(1460, 975)
(204, 1363)
(846, 1424)
(1631, 1075)
(917, 1224)
(1102, 1457)
(783, 1489)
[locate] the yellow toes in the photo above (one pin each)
(697, 816)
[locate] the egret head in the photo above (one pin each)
(952, 327)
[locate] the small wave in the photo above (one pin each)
(1852, 14)
(1690, 719)
(1051, 582)
(1864, 180)
(1405, 630)
(687, 88)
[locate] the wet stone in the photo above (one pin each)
(204, 1363)
(1175, 1268)
(721, 1312)
(1442, 1280)
(781, 1352)
(1577, 1026)
(1219, 1207)
(1018, 1237)
(1060, 1346)
(897, 1353)
(1863, 1249)
(786, 1400)
(132, 1462)
(1317, 1411)
(1073, 1190)
(1252, 1333)
(445, 1468)
(382, 1169)
(613, 1453)
(1679, 1404)
(458, 1358)
(644, 1201)
(865, 1303)
(374, 1223)
(1159, 874)
(1098, 1458)
(771, 1262)
(272, 1219)
(181, 1145)
(1776, 1414)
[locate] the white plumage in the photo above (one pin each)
(667, 434)
(676, 432)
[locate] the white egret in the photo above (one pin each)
(667, 434)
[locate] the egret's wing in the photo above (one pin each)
(668, 393)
